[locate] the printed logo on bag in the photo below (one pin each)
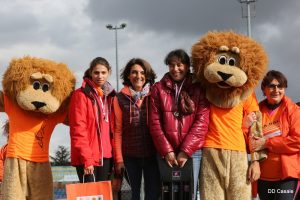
(176, 174)
(95, 197)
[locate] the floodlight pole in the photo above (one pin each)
(248, 2)
(116, 28)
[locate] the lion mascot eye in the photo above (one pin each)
(45, 87)
(231, 61)
(36, 85)
(222, 60)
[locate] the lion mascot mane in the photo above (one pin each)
(229, 66)
(35, 97)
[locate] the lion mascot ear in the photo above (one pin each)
(229, 66)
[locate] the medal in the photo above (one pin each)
(176, 114)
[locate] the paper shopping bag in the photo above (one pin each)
(89, 191)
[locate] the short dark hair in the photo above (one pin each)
(96, 61)
(270, 76)
(179, 54)
(149, 72)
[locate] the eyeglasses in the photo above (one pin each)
(274, 86)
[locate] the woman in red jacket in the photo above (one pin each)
(90, 127)
(179, 114)
(280, 172)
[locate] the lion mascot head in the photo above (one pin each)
(229, 66)
(38, 85)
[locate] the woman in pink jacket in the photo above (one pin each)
(179, 114)
(90, 127)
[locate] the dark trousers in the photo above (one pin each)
(277, 190)
(101, 173)
(136, 167)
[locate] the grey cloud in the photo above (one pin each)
(18, 27)
(276, 10)
(188, 17)
(169, 15)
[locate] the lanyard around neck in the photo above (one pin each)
(177, 91)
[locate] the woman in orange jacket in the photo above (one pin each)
(280, 172)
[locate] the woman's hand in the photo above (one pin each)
(119, 168)
(171, 159)
(89, 170)
(182, 158)
(249, 120)
(257, 143)
(254, 171)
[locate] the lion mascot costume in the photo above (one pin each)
(229, 66)
(35, 97)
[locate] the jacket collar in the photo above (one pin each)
(125, 90)
(286, 102)
(170, 83)
(88, 86)
(108, 90)
(289, 104)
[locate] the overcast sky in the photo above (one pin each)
(74, 32)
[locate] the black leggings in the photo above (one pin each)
(277, 190)
(101, 173)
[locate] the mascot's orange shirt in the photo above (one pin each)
(225, 125)
(29, 132)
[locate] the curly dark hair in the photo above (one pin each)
(149, 72)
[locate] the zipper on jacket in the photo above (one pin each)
(179, 130)
(98, 127)
(144, 138)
